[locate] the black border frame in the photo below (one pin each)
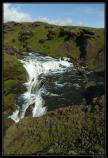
(12, 1)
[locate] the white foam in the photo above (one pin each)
(59, 84)
(36, 66)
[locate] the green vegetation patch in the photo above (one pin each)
(46, 38)
(67, 131)
(14, 76)
(13, 68)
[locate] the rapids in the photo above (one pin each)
(50, 82)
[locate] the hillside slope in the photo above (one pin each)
(73, 130)
(79, 43)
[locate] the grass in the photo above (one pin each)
(58, 132)
(56, 47)
(13, 68)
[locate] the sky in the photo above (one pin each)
(64, 14)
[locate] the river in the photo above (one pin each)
(51, 83)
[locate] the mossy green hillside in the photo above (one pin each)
(56, 41)
(13, 69)
(14, 76)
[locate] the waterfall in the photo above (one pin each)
(37, 68)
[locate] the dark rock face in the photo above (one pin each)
(82, 42)
(92, 92)
(29, 111)
(24, 36)
(80, 38)
(19, 89)
(12, 51)
(69, 35)
(51, 34)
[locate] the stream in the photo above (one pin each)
(51, 83)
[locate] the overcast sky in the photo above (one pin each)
(85, 14)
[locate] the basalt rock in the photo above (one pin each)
(51, 34)
(69, 35)
(24, 35)
(82, 42)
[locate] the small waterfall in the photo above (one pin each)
(37, 67)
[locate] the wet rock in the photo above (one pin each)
(29, 111)
(19, 89)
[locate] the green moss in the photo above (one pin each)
(14, 76)
(13, 68)
(9, 85)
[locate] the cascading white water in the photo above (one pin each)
(35, 66)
